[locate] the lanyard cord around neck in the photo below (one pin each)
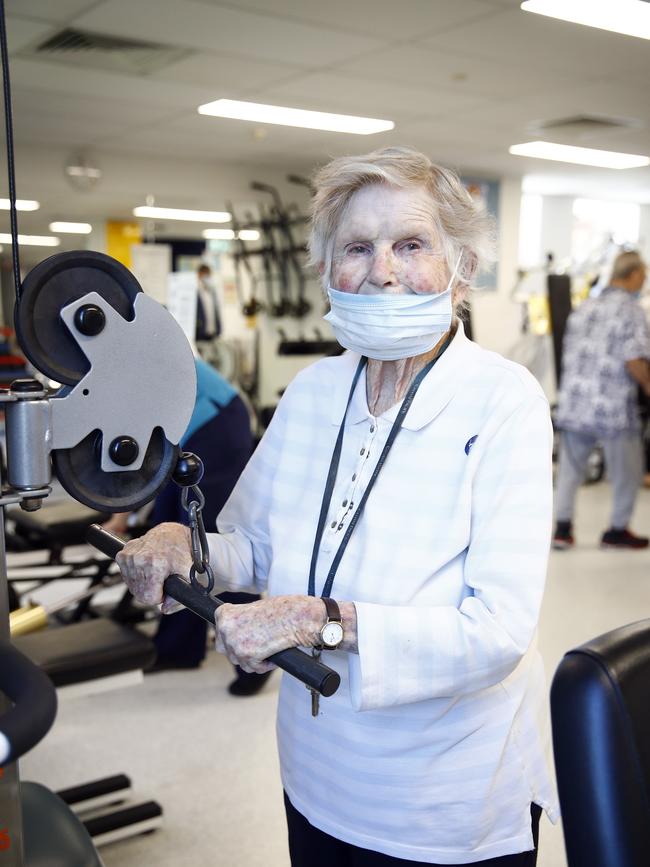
(334, 465)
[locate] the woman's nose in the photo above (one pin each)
(383, 271)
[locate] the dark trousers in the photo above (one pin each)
(310, 847)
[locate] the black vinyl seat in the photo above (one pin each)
(600, 705)
(87, 650)
(56, 525)
(54, 836)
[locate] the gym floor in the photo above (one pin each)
(210, 759)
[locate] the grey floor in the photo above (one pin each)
(210, 759)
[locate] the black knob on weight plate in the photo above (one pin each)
(90, 320)
(189, 470)
(123, 451)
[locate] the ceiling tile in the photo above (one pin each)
(100, 85)
(248, 34)
(361, 96)
(523, 118)
(382, 19)
(523, 40)
(83, 108)
(423, 66)
(21, 33)
(58, 11)
(225, 74)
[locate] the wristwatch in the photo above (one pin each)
(331, 634)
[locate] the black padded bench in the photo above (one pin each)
(87, 650)
(54, 526)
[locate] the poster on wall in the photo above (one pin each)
(151, 264)
(181, 300)
(486, 194)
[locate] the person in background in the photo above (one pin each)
(604, 361)
(219, 433)
(398, 509)
(208, 321)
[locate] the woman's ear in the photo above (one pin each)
(321, 269)
(468, 267)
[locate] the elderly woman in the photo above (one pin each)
(410, 481)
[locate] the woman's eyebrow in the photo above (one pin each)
(407, 230)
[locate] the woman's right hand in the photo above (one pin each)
(147, 561)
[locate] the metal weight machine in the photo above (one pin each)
(111, 432)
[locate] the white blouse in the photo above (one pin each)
(438, 738)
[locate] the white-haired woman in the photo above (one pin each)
(410, 481)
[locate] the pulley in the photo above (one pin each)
(52, 285)
(79, 471)
(128, 373)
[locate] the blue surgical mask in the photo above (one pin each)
(388, 327)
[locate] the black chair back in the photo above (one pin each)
(600, 707)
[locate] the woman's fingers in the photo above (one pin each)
(248, 634)
(146, 562)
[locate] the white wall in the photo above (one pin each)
(557, 227)
(495, 318)
(644, 233)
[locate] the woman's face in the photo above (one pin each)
(387, 243)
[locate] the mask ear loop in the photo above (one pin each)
(455, 271)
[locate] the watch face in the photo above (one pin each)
(332, 634)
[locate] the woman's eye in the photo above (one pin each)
(357, 249)
(411, 246)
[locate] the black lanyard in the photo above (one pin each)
(334, 465)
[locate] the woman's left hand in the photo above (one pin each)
(248, 634)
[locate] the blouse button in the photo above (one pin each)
(333, 524)
(344, 503)
(354, 477)
(362, 452)
(372, 428)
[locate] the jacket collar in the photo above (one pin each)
(436, 390)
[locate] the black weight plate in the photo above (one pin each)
(50, 286)
(79, 471)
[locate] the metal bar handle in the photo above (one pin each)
(310, 671)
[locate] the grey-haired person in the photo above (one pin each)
(605, 356)
(408, 484)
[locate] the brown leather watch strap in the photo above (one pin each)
(332, 608)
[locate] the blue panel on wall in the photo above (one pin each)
(487, 193)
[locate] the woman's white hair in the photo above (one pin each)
(462, 224)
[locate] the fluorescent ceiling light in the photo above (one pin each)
(71, 228)
(283, 116)
(180, 214)
(630, 17)
(21, 205)
(546, 150)
(229, 235)
(32, 240)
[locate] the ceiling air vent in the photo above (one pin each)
(86, 49)
(583, 126)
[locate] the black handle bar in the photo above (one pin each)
(34, 698)
(310, 671)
